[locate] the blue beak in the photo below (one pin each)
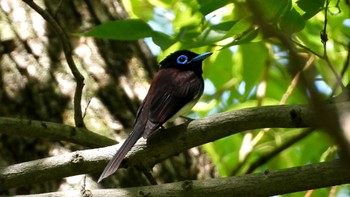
(201, 57)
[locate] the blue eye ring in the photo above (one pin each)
(182, 59)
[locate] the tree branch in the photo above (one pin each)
(53, 131)
(164, 143)
(269, 183)
(67, 49)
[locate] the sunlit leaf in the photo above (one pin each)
(239, 27)
(292, 22)
(207, 37)
(131, 29)
(224, 153)
(139, 9)
(222, 64)
(224, 26)
(254, 60)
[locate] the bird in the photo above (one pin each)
(174, 90)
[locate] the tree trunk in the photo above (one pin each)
(36, 82)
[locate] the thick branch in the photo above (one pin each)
(53, 131)
(268, 183)
(42, 170)
(164, 143)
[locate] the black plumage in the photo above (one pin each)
(174, 90)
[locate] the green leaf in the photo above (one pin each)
(212, 34)
(207, 6)
(292, 22)
(132, 29)
(162, 40)
(345, 28)
(246, 38)
(138, 9)
(207, 37)
(188, 33)
(254, 58)
(311, 8)
(239, 27)
(273, 10)
(224, 26)
(224, 153)
(222, 64)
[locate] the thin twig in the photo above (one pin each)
(262, 160)
(55, 11)
(307, 48)
(342, 73)
(67, 49)
(149, 177)
(87, 106)
(295, 81)
(324, 39)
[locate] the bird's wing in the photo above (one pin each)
(170, 94)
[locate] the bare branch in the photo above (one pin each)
(53, 131)
(269, 183)
(78, 117)
(164, 143)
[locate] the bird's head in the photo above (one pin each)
(184, 60)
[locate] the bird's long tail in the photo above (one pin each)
(117, 159)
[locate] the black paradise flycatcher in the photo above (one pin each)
(174, 90)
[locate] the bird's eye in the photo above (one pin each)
(182, 59)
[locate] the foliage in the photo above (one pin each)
(249, 68)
